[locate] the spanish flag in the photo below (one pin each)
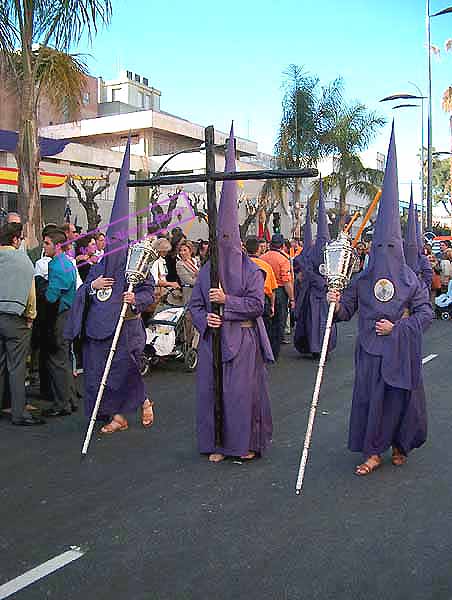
(9, 176)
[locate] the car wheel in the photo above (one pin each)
(191, 359)
(144, 366)
(445, 315)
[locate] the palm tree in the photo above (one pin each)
(308, 111)
(35, 39)
(351, 132)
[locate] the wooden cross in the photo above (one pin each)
(210, 177)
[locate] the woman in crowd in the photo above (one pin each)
(160, 275)
(203, 252)
(86, 249)
(100, 245)
(187, 269)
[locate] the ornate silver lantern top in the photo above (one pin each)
(140, 259)
(340, 260)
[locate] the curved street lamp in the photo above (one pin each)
(428, 16)
(421, 97)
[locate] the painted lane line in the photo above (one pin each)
(428, 358)
(50, 566)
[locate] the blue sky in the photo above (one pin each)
(217, 61)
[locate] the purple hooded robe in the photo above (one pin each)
(247, 421)
(388, 407)
(413, 248)
(95, 321)
(311, 306)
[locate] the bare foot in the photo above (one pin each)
(372, 463)
(398, 459)
(216, 458)
(147, 413)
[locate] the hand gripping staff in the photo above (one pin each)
(340, 260)
(140, 258)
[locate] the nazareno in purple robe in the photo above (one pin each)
(388, 407)
(247, 423)
(96, 322)
(311, 306)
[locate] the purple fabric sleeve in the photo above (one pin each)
(402, 355)
(348, 303)
(251, 306)
(198, 309)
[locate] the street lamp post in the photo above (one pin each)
(428, 16)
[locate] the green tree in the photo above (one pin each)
(35, 39)
(308, 112)
(351, 131)
(441, 183)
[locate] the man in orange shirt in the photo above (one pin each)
(280, 264)
(270, 284)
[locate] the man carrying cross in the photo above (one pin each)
(247, 421)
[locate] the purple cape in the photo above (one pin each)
(246, 404)
(388, 406)
(96, 322)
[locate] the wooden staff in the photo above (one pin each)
(103, 382)
(366, 218)
(352, 220)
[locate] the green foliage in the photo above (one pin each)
(441, 182)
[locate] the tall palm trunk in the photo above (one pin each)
(27, 153)
(342, 204)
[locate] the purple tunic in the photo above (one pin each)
(124, 391)
(247, 423)
(388, 406)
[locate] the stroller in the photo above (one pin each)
(443, 308)
(169, 334)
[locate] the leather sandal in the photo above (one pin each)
(114, 426)
(368, 466)
(216, 457)
(398, 458)
(147, 413)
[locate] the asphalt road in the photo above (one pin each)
(158, 522)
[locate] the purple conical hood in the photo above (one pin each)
(307, 234)
(117, 236)
(410, 246)
(228, 232)
(323, 233)
(387, 248)
(387, 284)
(419, 237)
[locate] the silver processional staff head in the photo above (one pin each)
(140, 258)
(340, 261)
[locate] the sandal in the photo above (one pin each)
(398, 459)
(115, 425)
(248, 457)
(216, 458)
(147, 413)
(368, 466)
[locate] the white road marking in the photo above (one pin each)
(19, 583)
(428, 358)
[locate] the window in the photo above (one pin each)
(137, 78)
(129, 75)
(115, 92)
(145, 81)
(141, 99)
(147, 101)
(85, 98)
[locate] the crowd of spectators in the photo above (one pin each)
(37, 289)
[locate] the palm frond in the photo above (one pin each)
(446, 102)
(63, 22)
